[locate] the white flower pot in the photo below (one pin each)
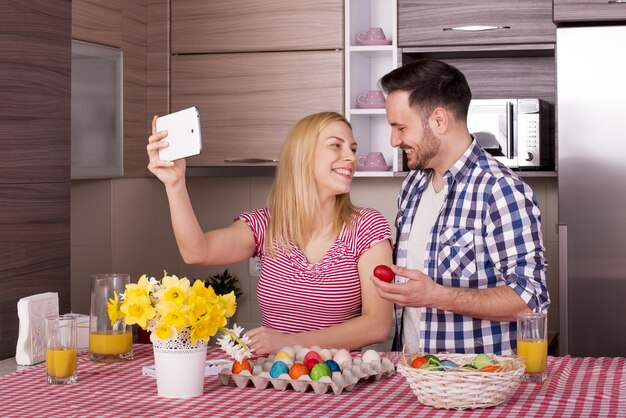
(179, 367)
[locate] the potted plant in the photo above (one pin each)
(224, 283)
(181, 316)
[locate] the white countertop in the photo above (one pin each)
(9, 366)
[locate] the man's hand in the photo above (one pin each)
(418, 291)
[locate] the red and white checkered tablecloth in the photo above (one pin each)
(576, 387)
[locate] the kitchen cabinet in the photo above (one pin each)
(200, 26)
(365, 63)
(505, 51)
(98, 21)
(249, 101)
(35, 150)
(497, 77)
(589, 10)
(479, 22)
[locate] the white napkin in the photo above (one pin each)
(32, 311)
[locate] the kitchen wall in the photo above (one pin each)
(123, 226)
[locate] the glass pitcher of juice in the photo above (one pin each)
(108, 342)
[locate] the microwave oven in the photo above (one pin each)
(515, 131)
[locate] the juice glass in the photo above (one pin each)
(61, 355)
(532, 345)
(108, 342)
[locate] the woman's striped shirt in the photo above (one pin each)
(297, 296)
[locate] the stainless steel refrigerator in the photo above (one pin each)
(591, 126)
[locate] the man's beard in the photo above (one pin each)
(426, 150)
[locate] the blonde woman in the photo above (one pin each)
(318, 251)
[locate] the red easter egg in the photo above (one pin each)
(313, 354)
(311, 362)
(384, 273)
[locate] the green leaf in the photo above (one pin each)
(224, 283)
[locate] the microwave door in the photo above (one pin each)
(510, 149)
(492, 124)
(488, 124)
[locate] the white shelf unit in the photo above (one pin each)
(364, 66)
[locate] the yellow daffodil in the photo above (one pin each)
(201, 298)
(173, 289)
(201, 290)
(142, 288)
(174, 314)
(228, 303)
(203, 330)
(113, 308)
(137, 310)
(165, 331)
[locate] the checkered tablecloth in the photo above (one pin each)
(576, 387)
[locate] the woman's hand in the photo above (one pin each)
(266, 341)
(170, 173)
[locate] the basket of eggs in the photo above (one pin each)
(461, 381)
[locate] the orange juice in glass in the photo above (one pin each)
(108, 342)
(532, 345)
(61, 361)
(61, 354)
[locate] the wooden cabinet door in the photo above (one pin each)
(588, 10)
(249, 101)
(253, 25)
(35, 110)
(98, 21)
(423, 23)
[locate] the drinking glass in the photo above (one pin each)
(61, 355)
(108, 342)
(532, 345)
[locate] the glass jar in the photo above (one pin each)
(108, 342)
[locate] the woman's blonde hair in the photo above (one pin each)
(293, 200)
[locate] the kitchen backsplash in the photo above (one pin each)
(123, 226)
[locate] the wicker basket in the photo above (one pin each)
(460, 388)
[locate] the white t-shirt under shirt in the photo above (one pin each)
(423, 222)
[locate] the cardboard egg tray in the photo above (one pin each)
(352, 372)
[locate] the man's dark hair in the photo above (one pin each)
(431, 83)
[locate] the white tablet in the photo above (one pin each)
(183, 134)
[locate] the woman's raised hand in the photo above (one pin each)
(169, 172)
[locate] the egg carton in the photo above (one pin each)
(352, 372)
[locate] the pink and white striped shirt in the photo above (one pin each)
(297, 296)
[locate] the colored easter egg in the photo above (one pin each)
(282, 355)
(332, 365)
(320, 370)
(448, 364)
(297, 370)
(419, 362)
(384, 273)
(311, 359)
(482, 360)
(278, 368)
(239, 366)
(289, 350)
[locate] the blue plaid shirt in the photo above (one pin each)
(488, 234)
